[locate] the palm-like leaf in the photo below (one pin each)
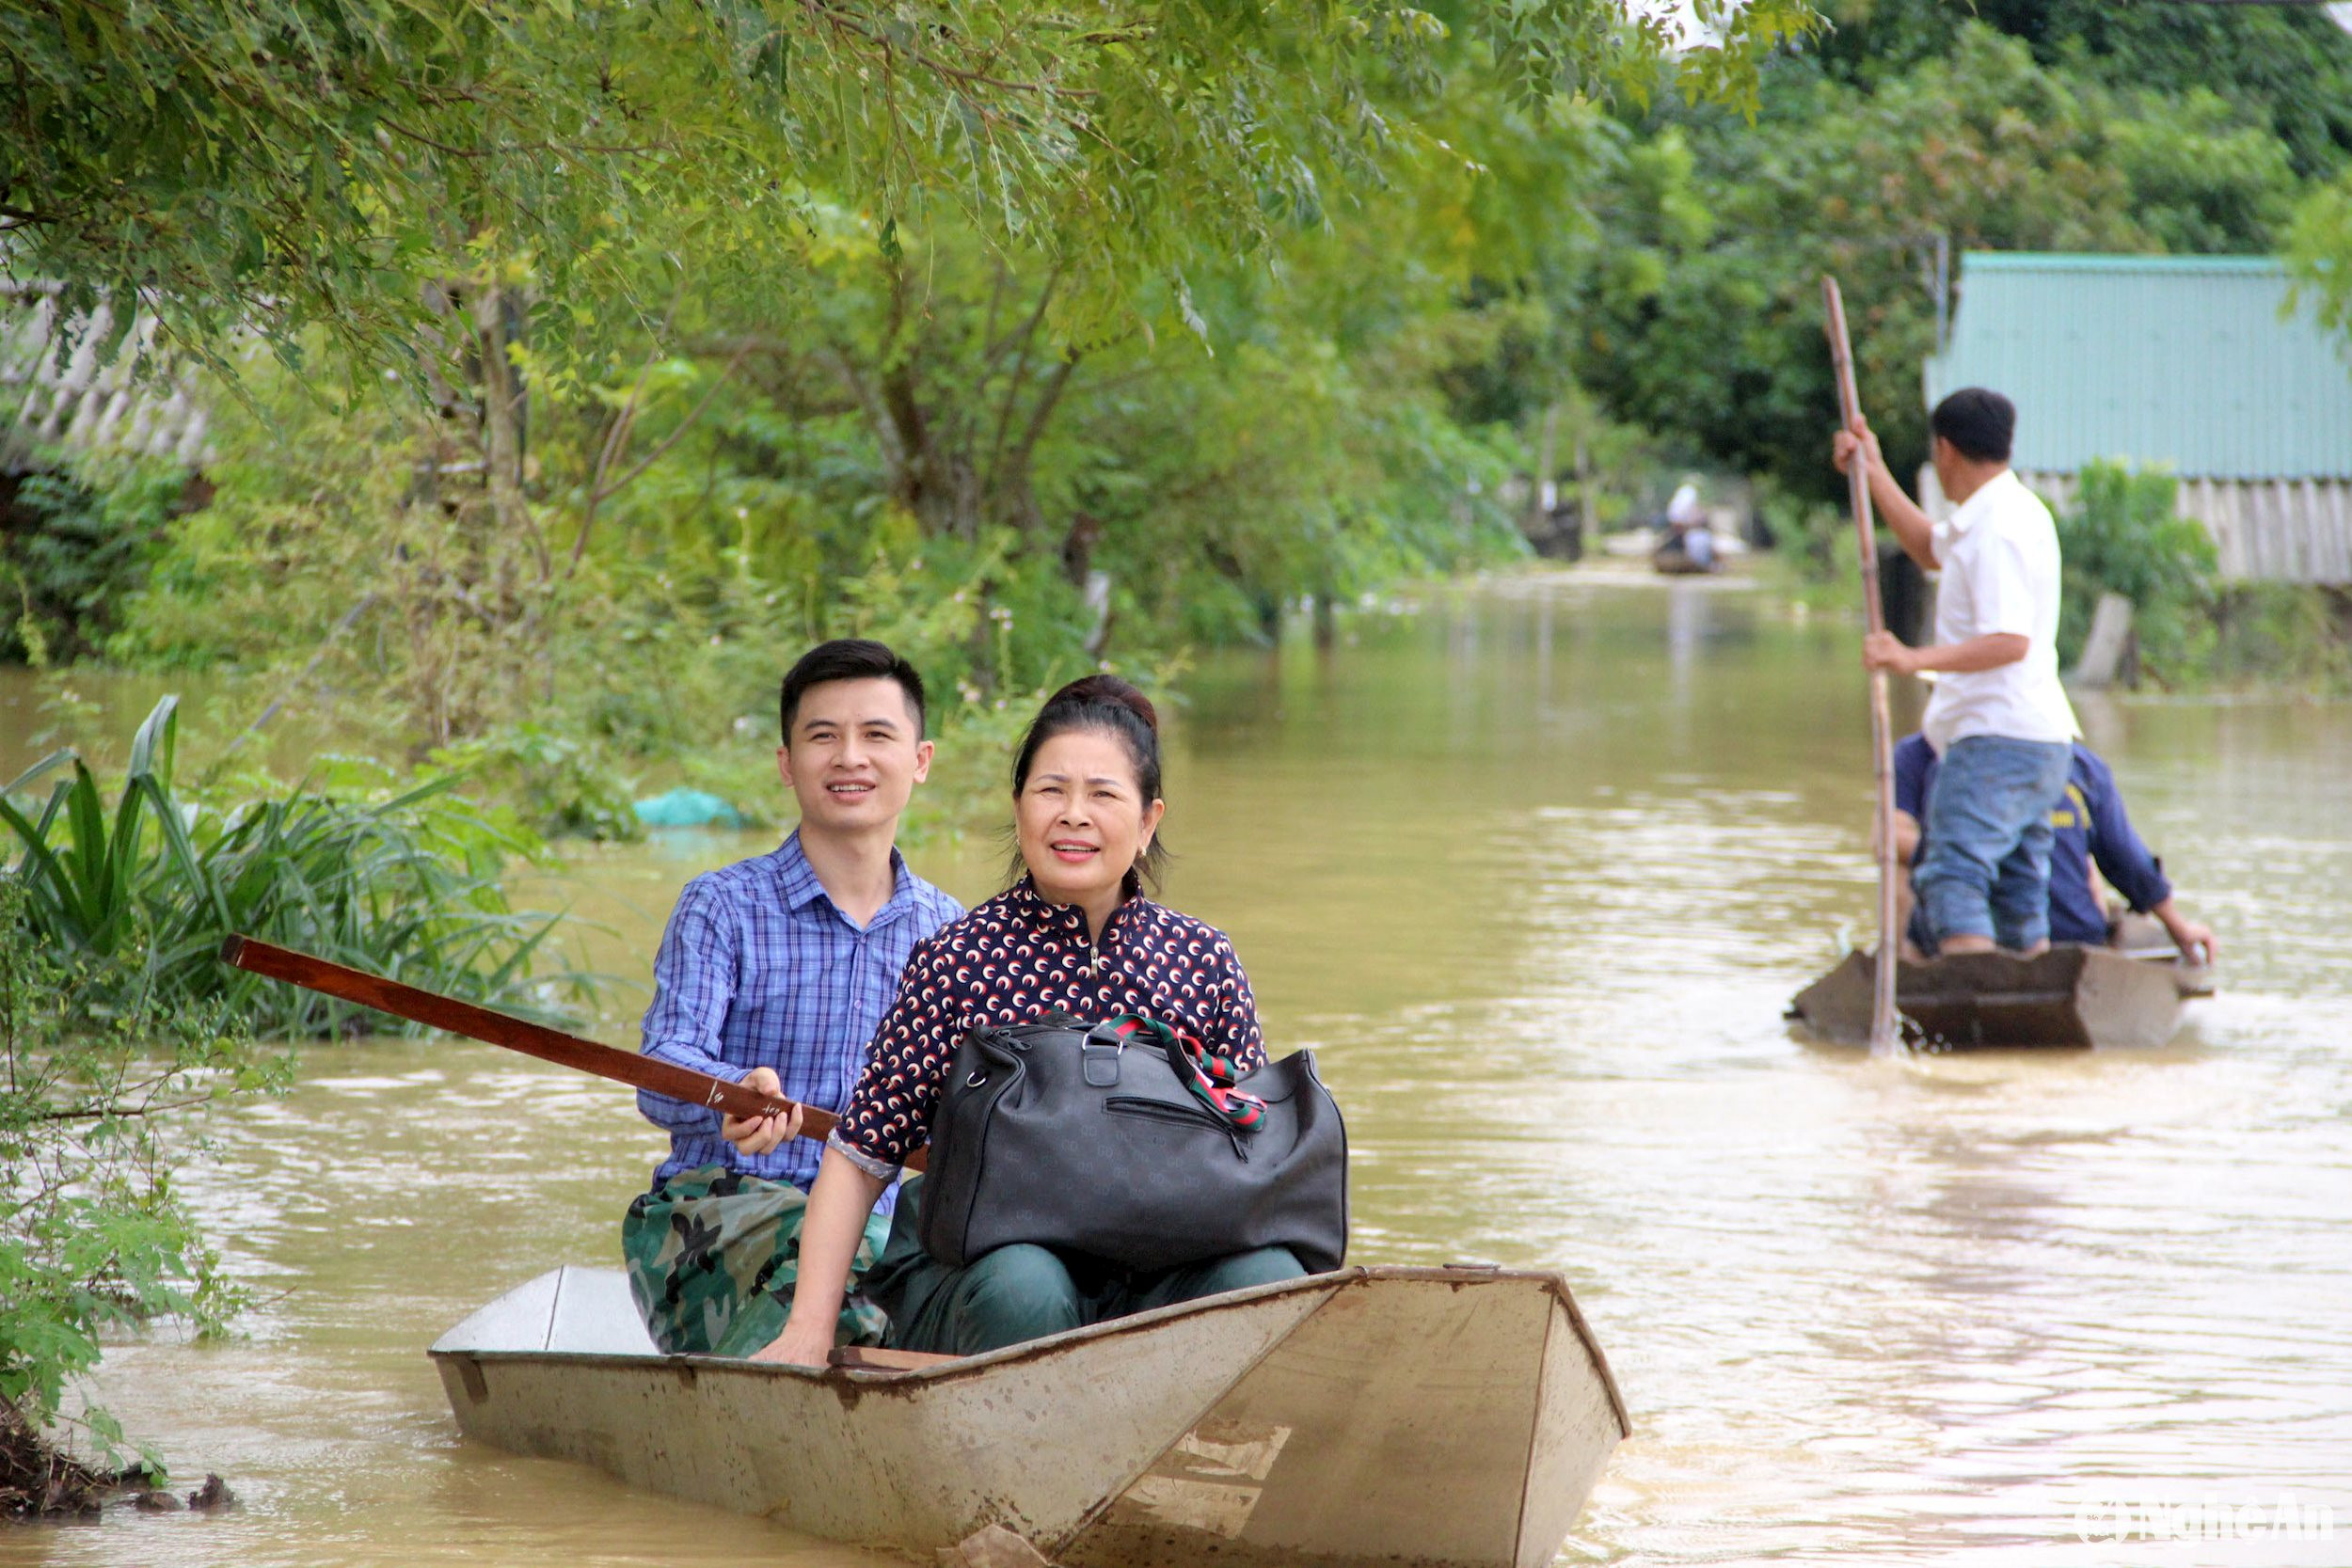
(407, 886)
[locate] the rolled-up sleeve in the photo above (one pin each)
(693, 981)
(1242, 1040)
(889, 1114)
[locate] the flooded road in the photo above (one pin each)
(1534, 872)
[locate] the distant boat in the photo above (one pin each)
(1674, 557)
(1451, 1417)
(2067, 996)
(1693, 552)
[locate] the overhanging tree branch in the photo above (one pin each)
(599, 492)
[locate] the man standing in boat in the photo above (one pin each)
(774, 974)
(1998, 720)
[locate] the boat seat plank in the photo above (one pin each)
(873, 1359)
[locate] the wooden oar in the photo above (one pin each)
(514, 1034)
(1882, 1035)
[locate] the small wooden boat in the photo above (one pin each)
(1390, 1416)
(1674, 558)
(2067, 996)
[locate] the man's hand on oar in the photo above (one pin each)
(1860, 437)
(1884, 650)
(762, 1135)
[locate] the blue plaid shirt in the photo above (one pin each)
(760, 968)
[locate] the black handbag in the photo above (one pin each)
(1065, 1135)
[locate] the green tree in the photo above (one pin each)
(294, 162)
(534, 216)
(2287, 68)
(2319, 251)
(1698, 292)
(75, 542)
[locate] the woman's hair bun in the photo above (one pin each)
(1108, 692)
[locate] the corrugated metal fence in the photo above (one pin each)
(70, 383)
(2265, 531)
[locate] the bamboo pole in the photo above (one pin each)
(1883, 1039)
(514, 1034)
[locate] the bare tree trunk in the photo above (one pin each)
(1587, 497)
(1012, 495)
(1539, 493)
(504, 406)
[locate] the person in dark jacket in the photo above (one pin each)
(2089, 826)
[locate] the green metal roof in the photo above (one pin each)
(2192, 362)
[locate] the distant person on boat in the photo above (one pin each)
(1076, 934)
(2088, 827)
(1687, 531)
(774, 974)
(1998, 720)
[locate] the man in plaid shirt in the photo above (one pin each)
(774, 974)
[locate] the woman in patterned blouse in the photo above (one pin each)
(1073, 935)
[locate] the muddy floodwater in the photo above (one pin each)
(1534, 871)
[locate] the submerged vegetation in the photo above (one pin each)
(2121, 536)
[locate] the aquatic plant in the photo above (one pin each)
(95, 1075)
(400, 880)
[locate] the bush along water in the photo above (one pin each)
(2190, 630)
(102, 1077)
(2124, 535)
(403, 881)
(119, 1025)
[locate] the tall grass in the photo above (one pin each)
(142, 891)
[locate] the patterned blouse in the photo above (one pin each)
(1016, 958)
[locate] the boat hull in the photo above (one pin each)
(2067, 996)
(1403, 1417)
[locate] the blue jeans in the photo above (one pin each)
(1984, 864)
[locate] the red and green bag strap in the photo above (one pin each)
(1209, 1076)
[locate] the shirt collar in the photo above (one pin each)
(801, 888)
(1067, 919)
(1970, 512)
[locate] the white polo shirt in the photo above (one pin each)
(1999, 557)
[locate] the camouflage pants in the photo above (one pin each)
(712, 1255)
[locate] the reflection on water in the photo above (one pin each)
(1535, 875)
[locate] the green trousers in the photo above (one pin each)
(712, 1255)
(1025, 1292)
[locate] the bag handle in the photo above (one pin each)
(1098, 1056)
(1210, 1077)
